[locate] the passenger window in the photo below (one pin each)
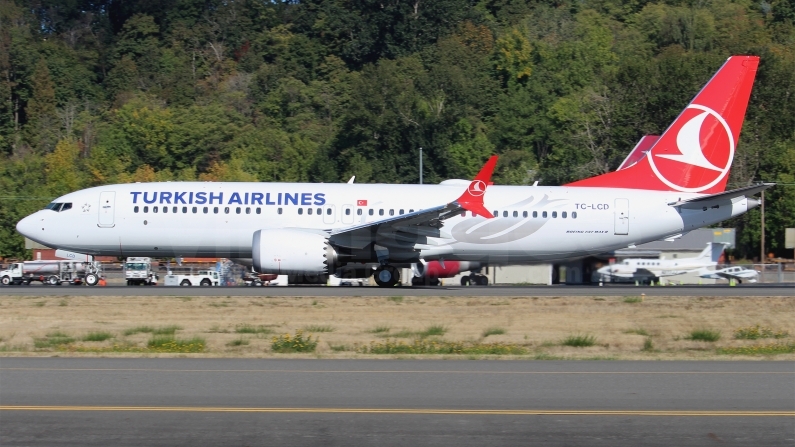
(574, 214)
(505, 214)
(165, 209)
(259, 211)
(146, 209)
(309, 211)
(237, 210)
(206, 210)
(319, 211)
(135, 210)
(359, 212)
(195, 210)
(328, 211)
(496, 214)
(371, 211)
(215, 210)
(248, 210)
(347, 211)
(555, 214)
(516, 214)
(154, 209)
(563, 214)
(524, 214)
(381, 212)
(544, 214)
(279, 211)
(411, 210)
(226, 210)
(174, 210)
(535, 214)
(391, 212)
(184, 209)
(400, 212)
(300, 211)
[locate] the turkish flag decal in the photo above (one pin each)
(361, 203)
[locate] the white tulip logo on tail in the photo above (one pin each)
(477, 188)
(702, 155)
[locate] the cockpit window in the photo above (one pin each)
(58, 206)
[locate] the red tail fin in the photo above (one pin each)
(472, 198)
(695, 153)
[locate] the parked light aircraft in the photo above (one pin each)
(651, 270)
(318, 229)
(736, 273)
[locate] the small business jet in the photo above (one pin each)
(737, 273)
(651, 270)
(351, 230)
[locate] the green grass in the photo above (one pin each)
(420, 346)
(768, 349)
(340, 348)
(139, 330)
(396, 299)
(287, 343)
(648, 345)
(757, 332)
(405, 333)
(63, 303)
(251, 329)
(53, 340)
(493, 331)
(97, 336)
(431, 331)
(637, 331)
(704, 334)
(633, 299)
(579, 341)
(167, 343)
(238, 342)
(39, 303)
(380, 330)
(318, 328)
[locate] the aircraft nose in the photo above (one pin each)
(26, 226)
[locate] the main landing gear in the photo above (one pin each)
(386, 276)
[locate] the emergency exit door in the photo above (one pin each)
(621, 212)
(107, 201)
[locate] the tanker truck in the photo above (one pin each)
(52, 272)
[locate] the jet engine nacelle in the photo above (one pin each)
(292, 252)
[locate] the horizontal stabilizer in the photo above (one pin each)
(727, 196)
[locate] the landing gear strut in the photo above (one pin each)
(386, 276)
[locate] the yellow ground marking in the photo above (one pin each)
(677, 413)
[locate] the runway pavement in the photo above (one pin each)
(251, 402)
(490, 291)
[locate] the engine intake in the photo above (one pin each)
(292, 252)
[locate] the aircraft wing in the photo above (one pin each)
(403, 231)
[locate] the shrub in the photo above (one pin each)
(756, 332)
(420, 346)
(251, 329)
(579, 341)
(648, 345)
(238, 342)
(318, 328)
(396, 299)
(166, 330)
(166, 343)
(53, 339)
(710, 335)
(432, 331)
(379, 329)
(139, 329)
(297, 343)
(633, 299)
(768, 349)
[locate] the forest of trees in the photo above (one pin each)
(105, 91)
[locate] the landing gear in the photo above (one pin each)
(386, 276)
(475, 280)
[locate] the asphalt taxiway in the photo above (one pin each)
(490, 291)
(247, 402)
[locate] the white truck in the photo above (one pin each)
(139, 272)
(201, 278)
(53, 273)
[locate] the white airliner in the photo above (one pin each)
(736, 273)
(651, 270)
(318, 229)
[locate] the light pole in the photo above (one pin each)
(420, 165)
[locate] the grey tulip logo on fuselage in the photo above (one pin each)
(500, 230)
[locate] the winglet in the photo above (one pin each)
(472, 198)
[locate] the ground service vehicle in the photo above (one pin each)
(139, 272)
(201, 278)
(52, 272)
(319, 229)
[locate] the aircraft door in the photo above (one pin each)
(347, 214)
(329, 214)
(621, 213)
(107, 201)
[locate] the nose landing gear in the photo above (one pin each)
(386, 276)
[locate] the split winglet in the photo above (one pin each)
(472, 198)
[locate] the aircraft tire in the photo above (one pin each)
(465, 281)
(387, 276)
(482, 281)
